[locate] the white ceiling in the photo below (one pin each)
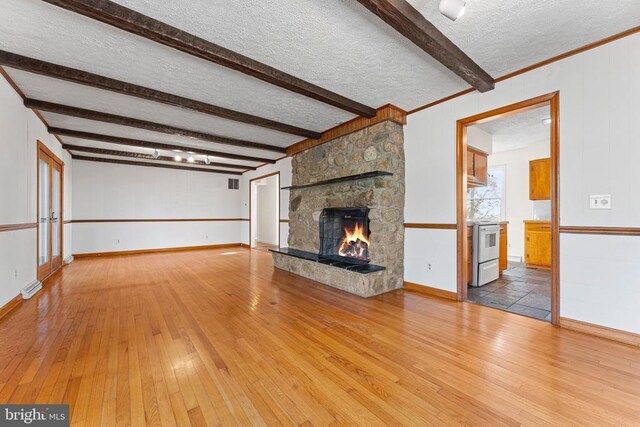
(157, 162)
(149, 151)
(503, 36)
(336, 44)
(84, 125)
(518, 130)
(61, 92)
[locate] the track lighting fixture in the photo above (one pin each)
(156, 154)
(178, 158)
(207, 160)
(452, 9)
(190, 159)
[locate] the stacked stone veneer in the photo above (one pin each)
(377, 148)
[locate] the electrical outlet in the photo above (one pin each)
(206, 236)
(117, 241)
(602, 201)
(16, 274)
(429, 267)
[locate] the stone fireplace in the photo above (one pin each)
(346, 212)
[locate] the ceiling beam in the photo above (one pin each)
(134, 22)
(144, 124)
(151, 165)
(73, 75)
(405, 19)
(107, 152)
(150, 144)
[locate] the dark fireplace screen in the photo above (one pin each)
(344, 234)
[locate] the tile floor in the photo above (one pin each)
(521, 290)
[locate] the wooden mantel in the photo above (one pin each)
(387, 112)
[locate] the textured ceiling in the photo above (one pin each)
(156, 162)
(84, 125)
(518, 130)
(503, 36)
(61, 92)
(336, 44)
(144, 150)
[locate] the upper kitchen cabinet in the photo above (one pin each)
(540, 179)
(476, 167)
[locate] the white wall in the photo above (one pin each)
(479, 139)
(284, 167)
(111, 191)
(599, 146)
(267, 219)
(20, 129)
(518, 207)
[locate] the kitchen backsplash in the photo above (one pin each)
(542, 209)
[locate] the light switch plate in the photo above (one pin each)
(602, 201)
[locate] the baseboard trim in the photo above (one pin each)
(8, 307)
(428, 290)
(601, 331)
(150, 251)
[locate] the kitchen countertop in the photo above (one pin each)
(471, 223)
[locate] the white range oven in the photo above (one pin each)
(486, 253)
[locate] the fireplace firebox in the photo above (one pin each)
(344, 235)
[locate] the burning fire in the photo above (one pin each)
(355, 243)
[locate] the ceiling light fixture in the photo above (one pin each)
(546, 121)
(207, 160)
(452, 9)
(178, 158)
(156, 154)
(190, 159)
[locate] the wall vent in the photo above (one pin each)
(234, 184)
(31, 290)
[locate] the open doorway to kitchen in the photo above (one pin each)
(508, 208)
(264, 224)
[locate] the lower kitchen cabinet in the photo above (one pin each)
(504, 247)
(537, 244)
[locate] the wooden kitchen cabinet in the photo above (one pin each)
(540, 179)
(537, 244)
(504, 247)
(476, 167)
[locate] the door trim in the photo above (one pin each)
(553, 101)
(42, 148)
(279, 197)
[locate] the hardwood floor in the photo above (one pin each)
(217, 337)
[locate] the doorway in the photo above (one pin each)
(50, 177)
(264, 224)
(507, 276)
